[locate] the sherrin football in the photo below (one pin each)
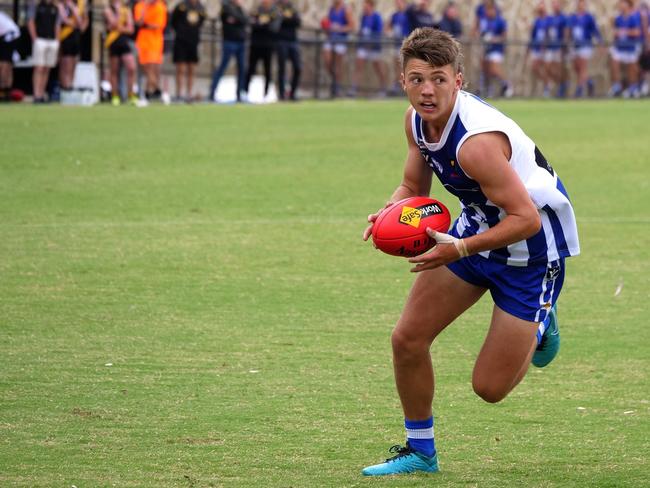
(400, 230)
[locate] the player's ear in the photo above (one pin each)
(459, 81)
(402, 81)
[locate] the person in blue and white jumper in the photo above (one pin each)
(537, 46)
(369, 46)
(515, 229)
(626, 51)
(494, 29)
(557, 48)
(583, 32)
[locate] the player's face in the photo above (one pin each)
(431, 90)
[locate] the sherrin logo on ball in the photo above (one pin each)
(400, 230)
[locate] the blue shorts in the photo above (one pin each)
(527, 292)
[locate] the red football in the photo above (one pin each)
(400, 230)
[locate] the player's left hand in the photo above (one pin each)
(445, 251)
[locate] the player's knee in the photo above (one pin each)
(489, 392)
(406, 345)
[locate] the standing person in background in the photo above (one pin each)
(369, 47)
(9, 34)
(536, 47)
(644, 60)
(119, 23)
(288, 49)
(234, 20)
(479, 16)
(583, 30)
(626, 51)
(480, 21)
(265, 24)
(450, 21)
(556, 48)
(187, 18)
(419, 14)
(74, 23)
(44, 26)
(338, 24)
(493, 35)
(398, 28)
(150, 19)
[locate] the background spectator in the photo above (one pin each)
(450, 21)
(150, 18)
(644, 61)
(493, 35)
(44, 28)
(119, 24)
(9, 33)
(536, 47)
(479, 17)
(556, 46)
(338, 24)
(187, 18)
(369, 47)
(583, 31)
(288, 49)
(74, 21)
(265, 24)
(479, 26)
(234, 20)
(419, 15)
(398, 28)
(626, 51)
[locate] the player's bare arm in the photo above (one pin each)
(485, 158)
(416, 180)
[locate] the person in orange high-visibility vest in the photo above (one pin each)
(150, 18)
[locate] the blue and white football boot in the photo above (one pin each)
(406, 460)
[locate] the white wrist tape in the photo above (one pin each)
(459, 244)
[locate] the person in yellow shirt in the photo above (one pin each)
(74, 22)
(119, 23)
(150, 18)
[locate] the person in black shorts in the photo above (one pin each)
(74, 21)
(187, 19)
(119, 22)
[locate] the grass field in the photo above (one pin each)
(185, 301)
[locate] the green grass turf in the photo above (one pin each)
(186, 301)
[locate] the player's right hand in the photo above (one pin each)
(372, 218)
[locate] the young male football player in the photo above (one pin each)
(515, 229)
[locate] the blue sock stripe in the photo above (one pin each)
(418, 424)
(419, 434)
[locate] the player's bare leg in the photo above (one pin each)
(378, 65)
(180, 75)
(504, 357)
(190, 82)
(430, 308)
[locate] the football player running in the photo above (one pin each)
(515, 229)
